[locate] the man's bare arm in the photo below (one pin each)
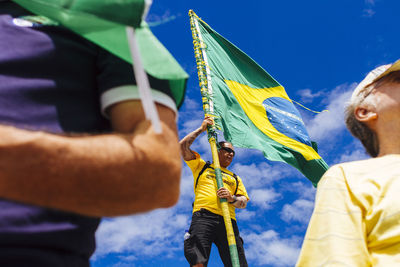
(188, 140)
(132, 171)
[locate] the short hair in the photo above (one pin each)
(223, 142)
(360, 130)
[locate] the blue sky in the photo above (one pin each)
(318, 50)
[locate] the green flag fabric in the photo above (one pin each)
(104, 22)
(253, 109)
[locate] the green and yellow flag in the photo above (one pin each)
(104, 23)
(252, 108)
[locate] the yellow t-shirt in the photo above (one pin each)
(356, 219)
(206, 190)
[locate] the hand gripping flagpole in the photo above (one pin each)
(206, 93)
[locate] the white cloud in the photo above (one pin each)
(245, 215)
(126, 261)
(203, 146)
(304, 190)
(368, 13)
(327, 125)
(124, 264)
(264, 198)
(150, 234)
(268, 248)
(261, 174)
(254, 175)
(192, 104)
(190, 125)
(242, 154)
(353, 155)
(155, 20)
(299, 211)
(190, 116)
(128, 258)
(186, 187)
(307, 96)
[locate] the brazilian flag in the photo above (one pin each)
(253, 109)
(104, 23)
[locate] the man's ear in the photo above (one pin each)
(365, 114)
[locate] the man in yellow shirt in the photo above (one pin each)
(207, 225)
(356, 219)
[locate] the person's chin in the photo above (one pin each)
(227, 163)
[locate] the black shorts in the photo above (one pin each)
(207, 228)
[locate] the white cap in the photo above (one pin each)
(374, 75)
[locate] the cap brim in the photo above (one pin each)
(395, 67)
(373, 76)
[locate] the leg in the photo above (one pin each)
(198, 246)
(223, 246)
(240, 248)
(221, 242)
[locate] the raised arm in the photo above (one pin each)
(188, 140)
(132, 170)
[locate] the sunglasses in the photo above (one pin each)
(227, 149)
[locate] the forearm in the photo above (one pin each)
(241, 202)
(103, 175)
(187, 141)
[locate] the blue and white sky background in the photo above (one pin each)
(319, 50)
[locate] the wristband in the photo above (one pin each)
(234, 199)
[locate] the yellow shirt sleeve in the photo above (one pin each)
(241, 189)
(336, 234)
(196, 165)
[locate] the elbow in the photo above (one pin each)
(169, 201)
(168, 192)
(158, 186)
(154, 190)
(149, 180)
(168, 175)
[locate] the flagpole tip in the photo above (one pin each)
(191, 13)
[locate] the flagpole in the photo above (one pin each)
(142, 81)
(206, 93)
